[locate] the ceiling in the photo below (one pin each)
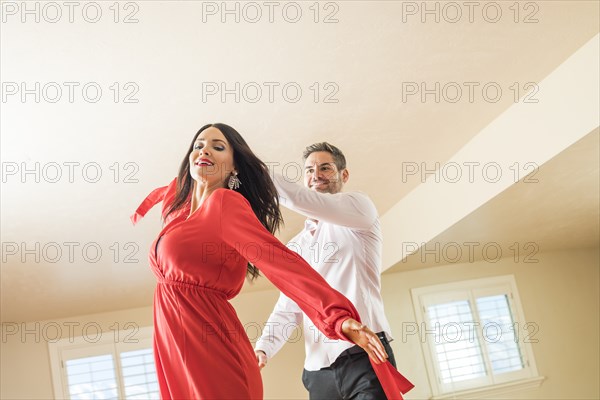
(368, 56)
(555, 208)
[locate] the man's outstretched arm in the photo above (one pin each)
(285, 316)
(352, 210)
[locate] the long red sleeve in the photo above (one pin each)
(325, 306)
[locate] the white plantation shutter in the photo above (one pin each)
(139, 374)
(457, 350)
(92, 377)
(105, 369)
(500, 340)
(470, 334)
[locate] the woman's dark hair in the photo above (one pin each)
(257, 186)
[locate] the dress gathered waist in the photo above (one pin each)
(170, 282)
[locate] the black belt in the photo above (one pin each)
(356, 349)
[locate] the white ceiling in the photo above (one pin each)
(169, 53)
(556, 208)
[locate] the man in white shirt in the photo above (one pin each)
(342, 240)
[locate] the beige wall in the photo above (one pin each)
(560, 294)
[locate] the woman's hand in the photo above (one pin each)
(365, 338)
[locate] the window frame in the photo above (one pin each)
(471, 290)
(69, 348)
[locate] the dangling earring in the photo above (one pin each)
(234, 182)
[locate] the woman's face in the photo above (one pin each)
(211, 160)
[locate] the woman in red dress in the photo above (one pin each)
(220, 214)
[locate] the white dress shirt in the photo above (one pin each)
(344, 245)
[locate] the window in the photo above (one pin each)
(475, 337)
(139, 374)
(91, 377)
(105, 368)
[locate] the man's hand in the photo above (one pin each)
(365, 338)
(261, 358)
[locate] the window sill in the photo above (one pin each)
(494, 390)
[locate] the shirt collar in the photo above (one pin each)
(310, 225)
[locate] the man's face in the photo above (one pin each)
(322, 175)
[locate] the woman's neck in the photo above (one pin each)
(200, 192)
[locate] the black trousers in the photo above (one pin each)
(350, 377)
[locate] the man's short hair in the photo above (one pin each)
(338, 156)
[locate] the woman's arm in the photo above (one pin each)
(331, 312)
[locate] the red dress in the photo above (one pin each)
(201, 349)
